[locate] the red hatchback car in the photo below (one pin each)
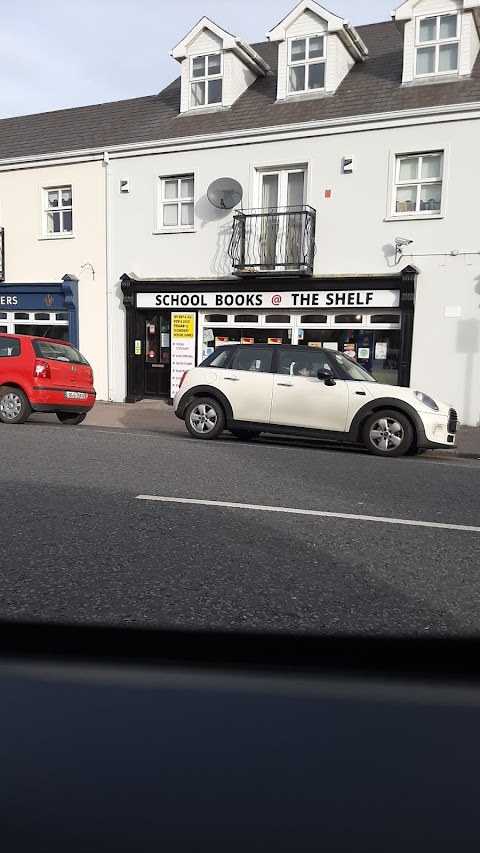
(43, 375)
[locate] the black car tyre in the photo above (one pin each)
(388, 433)
(70, 419)
(245, 434)
(205, 418)
(14, 405)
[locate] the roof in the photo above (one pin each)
(371, 87)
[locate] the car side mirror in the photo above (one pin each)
(326, 376)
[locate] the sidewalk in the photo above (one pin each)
(157, 416)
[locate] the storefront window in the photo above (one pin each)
(42, 316)
(21, 315)
(58, 333)
(314, 318)
(216, 318)
(277, 318)
(249, 335)
(246, 318)
(385, 319)
(348, 318)
(377, 350)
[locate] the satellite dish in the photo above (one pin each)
(225, 193)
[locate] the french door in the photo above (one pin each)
(282, 200)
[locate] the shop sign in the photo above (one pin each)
(288, 299)
(183, 348)
(183, 326)
(32, 301)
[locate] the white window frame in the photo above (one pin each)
(55, 235)
(306, 62)
(418, 182)
(206, 78)
(437, 42)
(178, 201)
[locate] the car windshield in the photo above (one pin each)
(354, 370)
(58, 352)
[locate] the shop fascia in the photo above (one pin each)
(290, 299)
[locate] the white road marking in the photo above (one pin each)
(313, 512)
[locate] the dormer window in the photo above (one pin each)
(437, 45)
(306, 64)
(206, 83)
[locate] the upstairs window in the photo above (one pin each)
(437, 45)
(419, 183)
(58, 210)
(206, 84)
(306, 64)
(177, 201)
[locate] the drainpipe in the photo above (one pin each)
(108, 271)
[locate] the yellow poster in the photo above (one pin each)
(183, 326)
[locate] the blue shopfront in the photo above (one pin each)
(46, 310)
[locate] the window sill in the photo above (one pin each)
(175, 231)
(407, 217)
(57, 237)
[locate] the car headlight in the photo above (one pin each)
(426, 400)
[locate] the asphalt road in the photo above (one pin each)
(78, 545)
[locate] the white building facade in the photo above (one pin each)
(353, 232)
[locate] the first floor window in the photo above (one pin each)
(418, 183)
(306, 64)
(177, 198)
(59, 210)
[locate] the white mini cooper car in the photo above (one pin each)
(317, 393)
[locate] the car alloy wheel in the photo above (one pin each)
(203, 418)
(386, 434)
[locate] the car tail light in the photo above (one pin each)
(183, 377)
(41, 370)
(91, 375)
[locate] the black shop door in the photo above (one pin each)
(157, 355)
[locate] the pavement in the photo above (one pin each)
(127, 520)
(158, 416)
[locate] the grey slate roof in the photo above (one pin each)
(373, 86)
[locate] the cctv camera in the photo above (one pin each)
(402, 241)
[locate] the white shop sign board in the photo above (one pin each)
(336, 299)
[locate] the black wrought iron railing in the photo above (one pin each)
(274, 240)
(2, 254)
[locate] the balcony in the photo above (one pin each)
(273, 241)
(2, 254)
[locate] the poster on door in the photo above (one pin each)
(183, 348)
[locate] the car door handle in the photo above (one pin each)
(360, 393)
(285, 384)
(231, 379)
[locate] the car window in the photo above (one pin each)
(58, 352)
(354, 371)
(219, 359)
(301, 362)
(249, 358)
(9, 347)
